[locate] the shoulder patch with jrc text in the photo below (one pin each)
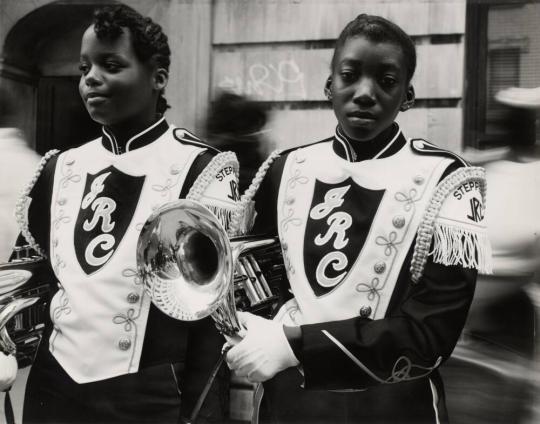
(453, 229)
(217, 187)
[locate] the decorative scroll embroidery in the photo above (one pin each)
(401, 371)
(128, 319)
(165, 189)
(130, 272)
(288, 211)
(390, 245)
(67, 177)
(408, 199)
(63, 308)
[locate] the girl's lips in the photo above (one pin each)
(361, 115)
(360, 120)
(95, 99)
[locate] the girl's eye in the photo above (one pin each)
(112, 66)
(347, 76)
(84, 68)
(388, 81)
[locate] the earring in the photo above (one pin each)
(328, 89)
(328, 93)
(406, 105)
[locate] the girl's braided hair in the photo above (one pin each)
(149, 41)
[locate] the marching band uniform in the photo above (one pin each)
(381, 247)
(108, 352)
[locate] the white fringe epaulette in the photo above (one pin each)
(452, 244)
(223, 213)
(244, 216)
(21, 207)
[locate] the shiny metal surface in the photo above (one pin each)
(187, 263)
(8, 311)
(185, 260)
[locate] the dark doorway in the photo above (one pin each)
(62, 120)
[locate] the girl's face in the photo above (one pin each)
(368, 87)
(116, 87)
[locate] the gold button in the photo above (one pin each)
(124, 344)
(418, 180)
(133, 297)
(379, 267)
(365, 311)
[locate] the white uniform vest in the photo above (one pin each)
(408, 179)
(100, 319)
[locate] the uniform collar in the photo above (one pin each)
(147, 136)
(356, 151)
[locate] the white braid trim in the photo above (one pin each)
(21, 207)
(205, 178)
(244, 215)
(455, 246)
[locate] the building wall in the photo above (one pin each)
(279, 52)
(56, 53)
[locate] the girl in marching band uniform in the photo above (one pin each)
(382, 237)
(108, 354)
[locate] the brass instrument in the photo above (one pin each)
(192, 270)
(25, 291)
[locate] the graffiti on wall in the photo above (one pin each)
(268, 81)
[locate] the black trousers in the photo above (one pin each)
(150, 395)
(285, 401)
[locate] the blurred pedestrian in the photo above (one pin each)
(18, 162)
(502, 327)
(513, 176)
(236, 123)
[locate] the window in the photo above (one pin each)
(502, 51)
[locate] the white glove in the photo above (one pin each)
(8, 371)
(263, 352)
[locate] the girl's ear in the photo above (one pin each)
(409, 99)
(328, 88)
(161, 78)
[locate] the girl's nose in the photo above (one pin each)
(364, 91)
(92, 78)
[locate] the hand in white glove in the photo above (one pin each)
(263, 352)
(8, 371)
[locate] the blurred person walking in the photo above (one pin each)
(236, 123)
(18, 163)
(500, 330)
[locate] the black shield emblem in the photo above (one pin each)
(339, 221)
(107, 207)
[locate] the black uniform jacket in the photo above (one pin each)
(362, 370)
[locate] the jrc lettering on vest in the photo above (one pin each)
(465, 188)
(103, 208)
(339, 222)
